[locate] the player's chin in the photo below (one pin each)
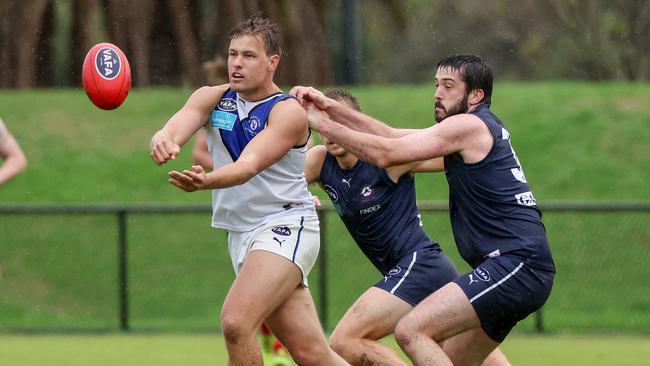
(440, 115)
(238, 85)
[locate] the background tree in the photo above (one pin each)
(43, 42)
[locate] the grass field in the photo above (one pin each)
(576, 141)
(198, 350)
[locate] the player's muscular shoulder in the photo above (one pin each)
(207, 96)
(289, 114)
(472, 135)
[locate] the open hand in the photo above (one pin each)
(189, 180)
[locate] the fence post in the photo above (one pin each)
(322, 269)
(122, 271)
(539, 321)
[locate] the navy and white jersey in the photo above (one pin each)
(492, 208)
(382, 216)
(278, 190)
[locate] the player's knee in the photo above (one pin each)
(310, 354)
(405, 331)
(341, 344)
(235, 327)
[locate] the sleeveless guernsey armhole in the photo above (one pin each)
(383, 173)
(492, 151)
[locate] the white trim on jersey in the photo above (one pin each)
(496, 284)
(415, 255)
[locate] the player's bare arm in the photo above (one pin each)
(14, 158)
(433, 165)
(314, 163)
(463, 134)
(200, 154)
(344, 114)
(166, 143)
(287, 128)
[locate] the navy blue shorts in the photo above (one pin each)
(418, 274)
(504, 290)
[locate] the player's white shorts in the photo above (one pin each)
(296, 238)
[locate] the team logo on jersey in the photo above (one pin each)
(482, 274)
(526, 199)
(227, 104)
(107, 63)
(282, 230)
(334, 196)
(366, 191)
(253, 125)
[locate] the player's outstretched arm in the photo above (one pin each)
(425, 166)
(14, 158)
(343, 114)
(452, 135)
(166, 143)
(287, 127)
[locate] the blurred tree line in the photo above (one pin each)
(174, 42)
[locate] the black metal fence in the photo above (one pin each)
(582, 220)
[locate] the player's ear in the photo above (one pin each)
(273, 62)
(476, 96)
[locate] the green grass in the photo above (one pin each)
(197, 350)
(576, 141)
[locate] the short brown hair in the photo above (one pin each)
(342, 95)
(264, 28)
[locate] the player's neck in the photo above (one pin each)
(260, 93)
(347, 161)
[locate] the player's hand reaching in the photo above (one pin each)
(189, 180)
(315, 116)
(164, 150)
(307, 94)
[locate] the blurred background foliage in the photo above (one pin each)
(43, 42)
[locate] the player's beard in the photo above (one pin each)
(460, 107)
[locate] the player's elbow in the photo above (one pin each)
(382, 161)
(384, 156)
(21, 162)
(17, 161)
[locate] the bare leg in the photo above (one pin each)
(470, 347)
(265, 281)
(373, 316)
(296, 325)
(444, 314)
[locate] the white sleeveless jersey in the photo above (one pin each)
(280, 189)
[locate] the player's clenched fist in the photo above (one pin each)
(164, 150)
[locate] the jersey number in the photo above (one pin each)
(517, 172)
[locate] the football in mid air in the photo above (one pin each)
(106, 76)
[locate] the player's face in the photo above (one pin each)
(333, 148)
(248, 64)
(451, 94)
